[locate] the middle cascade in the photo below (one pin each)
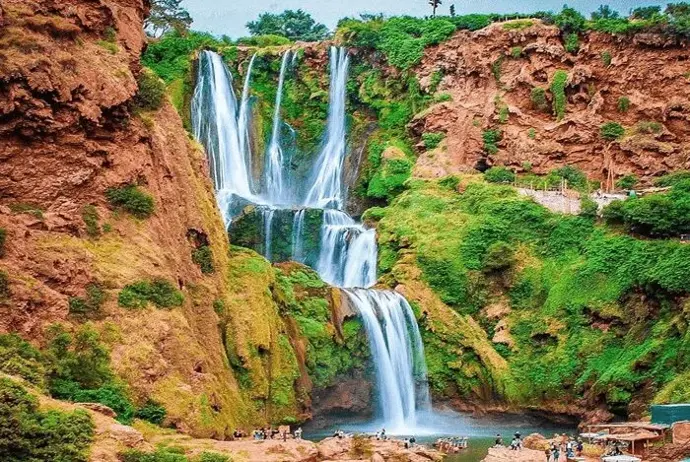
(347, 251)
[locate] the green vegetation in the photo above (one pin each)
(264, 41)
(558, 84)
(612, 131)
(672, 179)
(561, 276)
(649, 128)
(166, 15)
(30, 434)
(432, 140)
(516, 52)
(572, 43)
(3, 241)
(160, 292)
(24, 207)
(171, 454)
(518, 24)
(491, 138)
(291, 24)
(499, 175)
(588, 208)
(90, 305)
(538, 99)
(606, 58)
(496, 69)
(655, 215)
(389, 180)
(532, 134)
(90, 216)
(152, 412)
(132, 200)
(202, 256)
(626, 182)
(151, 92)
(623, 104)
(4, 285)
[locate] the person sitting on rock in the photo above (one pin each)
(298, 433)
(499, 440)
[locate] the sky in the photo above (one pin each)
(228, 17)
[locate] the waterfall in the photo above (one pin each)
(327, 188)
(223, 131)
(398, 353)
(348, 252)
(274, 155)
(298, 236)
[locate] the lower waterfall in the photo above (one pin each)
(347, 253)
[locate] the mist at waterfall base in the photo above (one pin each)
(347, 251)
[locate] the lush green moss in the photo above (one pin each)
(612, 131)
(90, 305)
(160, 292)
(432, 140)
(132, 200)
(151, 93)
(491, 139)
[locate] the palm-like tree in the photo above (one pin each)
(434, 4)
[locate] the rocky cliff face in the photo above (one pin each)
(69, 132)
(490, 74)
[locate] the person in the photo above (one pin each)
(569, 448)
(547, 451)
(579, 447)
(499, 440)
(298, 433)
(383, 433)
(556, 452)
(514, 444)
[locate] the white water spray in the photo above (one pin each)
(274, 156)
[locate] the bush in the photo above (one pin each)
(203, 257)
(113, 395)
(151, 91)
(403, 39)
(450, 182)
(499, 256)
(572, 43)
(160, 455)
(3, 240)
(491, 139)
(212, 457)
(443, 97)
(90, 216)
(672, 179)
(611, 131)
(499, 175)
(152, 412)
(131, 199)
(538, 98)
(264, 41)
(623, 104)
(558, 83)
(389, 181)
(4, 285)
(516, 52)
(31, 435)
(160, 292)
(626, 182)
(432, 140)
(588, 207)
(575, 177)
(89, 305)
(570, 21)
(606, 58)
(20, 358)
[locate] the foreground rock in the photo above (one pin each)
(508, 455)
(369, 449)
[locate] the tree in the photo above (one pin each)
(434, 4)
(295, 25)
(604, 12)
(645, 12)
(167, 15)
(452, 11)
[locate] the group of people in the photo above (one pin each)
(515, 443)
(451, 445)
(571, 447)
(381, 435)
(270, 433)
(339, 434)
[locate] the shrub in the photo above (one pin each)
(152, 412)
(159, 292)
(496, 69)
(558, 83)
(570, 21)
(499, 175)
(20, 358)
(3, 239)
(538, 98)
(264, 41)
(89, 305)
(532, 134)
(606, 58)
(24, 207)
(499, 256)
(436, 78)
(160, 455)
(572, 43)
(389, 180)
(575, 177)
(672, 179)
(626, 182)
(491, 139)
(450, 182)
(611, 131)
(648, 127)
(31, 435)
(151, 92)
(4, 285)
(403, 39)
(432, 140)
(212, 457)
(131, 199)
(519, 24)
(203, 257)
(623, 104)
(503, 114)
(516, 52)
(443, 97)
(112, 394)
(90, 216)
(588, 207)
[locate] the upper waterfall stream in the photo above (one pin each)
(347, 251)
